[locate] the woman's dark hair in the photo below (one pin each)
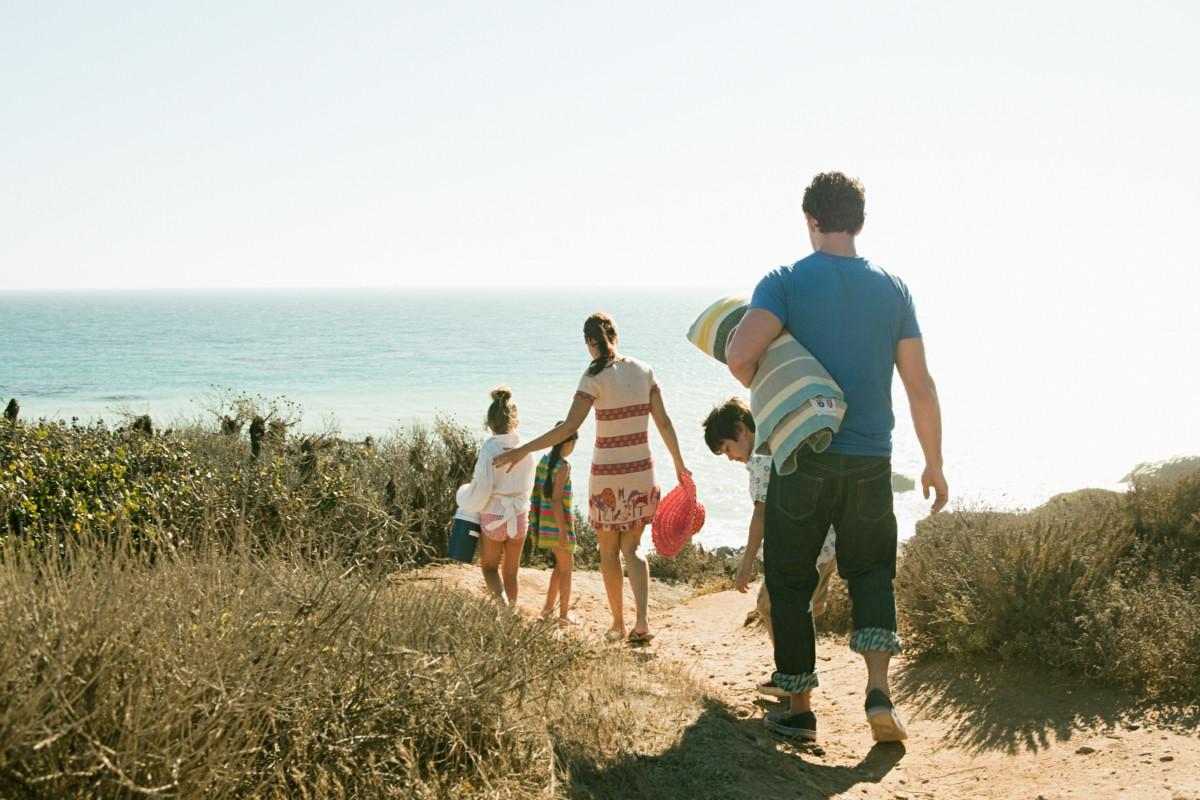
(502, 413)
(600, 329)
(552, 463)
(721, 423)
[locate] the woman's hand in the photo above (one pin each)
(508, 458)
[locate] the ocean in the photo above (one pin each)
(1023, 422)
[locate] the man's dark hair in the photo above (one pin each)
(721, 423)
(836, 201)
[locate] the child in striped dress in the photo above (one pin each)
(552, 524)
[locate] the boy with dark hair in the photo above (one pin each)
(729, 432)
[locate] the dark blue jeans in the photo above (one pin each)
(854, 494)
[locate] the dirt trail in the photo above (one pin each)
(981, 731)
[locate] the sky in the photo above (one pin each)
(1021, 155)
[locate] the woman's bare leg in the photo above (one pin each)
(639, 576)
(609, 543)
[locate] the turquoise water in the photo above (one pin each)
(374, 361)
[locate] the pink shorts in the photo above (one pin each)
(497, 531)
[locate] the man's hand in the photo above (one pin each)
(932, 478)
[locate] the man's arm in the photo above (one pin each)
(926, 416)
(754, 333)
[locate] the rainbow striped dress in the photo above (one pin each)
(542, 525)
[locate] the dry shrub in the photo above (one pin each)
(1096, 582)
(698, 567)
(229, 674)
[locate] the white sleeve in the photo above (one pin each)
(474, 496)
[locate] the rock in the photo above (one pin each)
(1085, 751)
(1166, 470)
(902, 483)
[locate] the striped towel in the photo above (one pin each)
(795, 403)
(794, 400)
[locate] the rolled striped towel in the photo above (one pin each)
(795, 403)
(713, 328)
(794, 400)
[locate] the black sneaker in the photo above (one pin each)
(885, 722)
(800, 726)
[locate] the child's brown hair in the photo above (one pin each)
(721, 423)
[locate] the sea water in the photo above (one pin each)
(1020, 424)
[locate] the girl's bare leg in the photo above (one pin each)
(564, 563)
(508, 569)
(551, 593)
(489, 560)
(639, 576)
(609, 543)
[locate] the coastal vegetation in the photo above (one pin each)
(232, 608)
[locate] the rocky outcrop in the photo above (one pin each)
(1163, 470)
(902, 483)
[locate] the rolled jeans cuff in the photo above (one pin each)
(865, 639)
(804, 682)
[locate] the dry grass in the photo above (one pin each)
(227, 673)
(1102, 584)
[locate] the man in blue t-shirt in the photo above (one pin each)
(859, 322)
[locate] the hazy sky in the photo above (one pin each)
(1024, 156)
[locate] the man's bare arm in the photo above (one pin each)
(926, 416)
(754, 333)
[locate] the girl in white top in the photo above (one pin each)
(501, 497)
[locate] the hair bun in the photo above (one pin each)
(501, 394)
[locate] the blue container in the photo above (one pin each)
(464, 536)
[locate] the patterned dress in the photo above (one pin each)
(623, 492)
(542, 524)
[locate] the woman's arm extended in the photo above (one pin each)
(575, 418)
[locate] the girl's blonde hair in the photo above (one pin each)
(502, 413)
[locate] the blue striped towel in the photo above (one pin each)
(796, 403)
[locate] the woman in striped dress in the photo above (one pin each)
(623, 489)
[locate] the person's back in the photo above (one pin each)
(850, 315)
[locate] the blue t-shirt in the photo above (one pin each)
(850, 314)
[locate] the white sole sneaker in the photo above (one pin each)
(885, 722)
(886, 725)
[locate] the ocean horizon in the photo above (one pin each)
(372, 362)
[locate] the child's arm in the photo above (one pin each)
(474, 496)
(560, 485)
(753, 542)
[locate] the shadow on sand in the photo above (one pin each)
(1012, 709)
(720, 755)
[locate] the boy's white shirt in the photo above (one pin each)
(504, 493)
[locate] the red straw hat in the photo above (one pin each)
(678, 518)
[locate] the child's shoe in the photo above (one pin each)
(800, 726)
